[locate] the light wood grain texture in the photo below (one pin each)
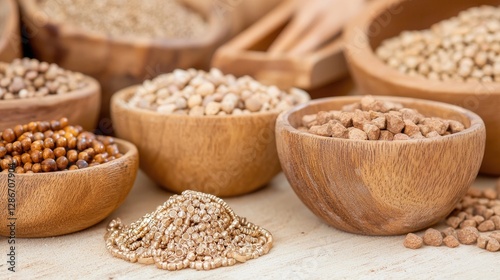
(305, 247)
(10, 36)
(81, 107)
(225, 156)
(380, 187)
(247, 54)
(51, 204)
(117, 62)
(387, 18)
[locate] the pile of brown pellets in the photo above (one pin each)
(475, 220)
(133, 18)
(372, 119)
(53, 146)
(465, 48)
(26, 78)
(199, 93)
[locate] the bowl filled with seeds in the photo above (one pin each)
(10, 43)
(447, 51)
(135, 40)
(380, 166)
(204, 131)
(30, 89)
(61, 178)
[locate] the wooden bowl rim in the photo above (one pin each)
(217, 29)
(131, 151)
(92, 88)
(476, 123)
(12, 19)
(359, 52)
(118, 99)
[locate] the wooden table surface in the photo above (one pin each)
(305, 247)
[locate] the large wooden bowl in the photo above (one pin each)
(224, 156)
(10, 36)
(380, 187)
(51, 204)
(387, 18)
(80, 107)
(114, 61)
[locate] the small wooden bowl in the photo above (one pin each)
(388, 18)
(80, 107)
(224, 156)
(51, 204)
(380, 187)
(118, 62)
(10, 40)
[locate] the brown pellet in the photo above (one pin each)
(62, 163)
(27, 166)
(36, 168)
(48, 143)
(36, 156)
(413, 241)
(433, 237)
(8, 135)
(493, 245)
(81, 164)
(451, 241)
(468, 235)
(48, 154)
(49, 165)
(72, 156)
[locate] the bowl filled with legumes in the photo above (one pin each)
(445, 51)
(34, 90)
(204, 131)
(380, 165)
(156, 37)
(59, 178)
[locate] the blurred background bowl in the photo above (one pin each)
(80, 107)
(57, 203)
(385, 19)
(380, 187)
(224, 156)
(10, 39)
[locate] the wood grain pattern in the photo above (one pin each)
(246, 55)
(117, 62)
(380, 187)
(225, 156)
(80, 107)
(50, 204)
(10, 37)
(387, 18)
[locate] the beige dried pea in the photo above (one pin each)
(433, 237)
(413, 241)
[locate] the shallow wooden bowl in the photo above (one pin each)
(387, 18)
(117, 62)
(10, 36)
(224, 156)
(380, 187)
(51, 204)
(81, 107)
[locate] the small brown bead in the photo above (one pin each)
(112, 149)
(84, 156)
(63, 122)
(9, 135)
(48, 154)
(27, 166)
(49, 165)
(62, 163)
(17, 147)
(37, 145)
(9, 148)
(3, 152)
(16, 159)
(73, 167)
(79, 129)
(4, 163)
(72, 156)
(36, 168)
(59, 152)
(48, 134)
(38, 136)
(36, 156)
(25, 158)
(49, 143)
(55, 125)
(90, 152)
(413, 241)
(72, 143)
(26, 144)
(82, 164)
(55, 137)
(33, 127)
(98, 147)
(19, 169)
(451, 241)
(62, 142)
(81, 144)
(18, 130)
(43, 126)
(101, 158)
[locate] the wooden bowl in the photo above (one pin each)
(10, 40)
(51, 204)
(224, 156)
(387, 18)
(117, 62)
(80, 107)
(380, 187)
